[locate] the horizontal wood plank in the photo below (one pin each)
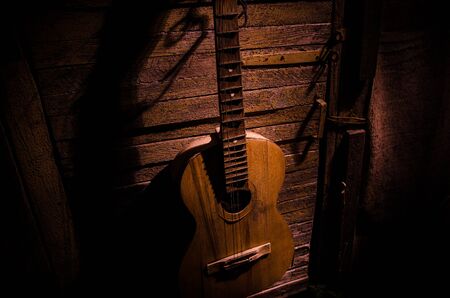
(286, 104)
(196, 77)
(81, 52)
(151, 153)
(98, 4)
(59, 25)
(300, 57)
(283, 96)
(293, 273)
(138, 156)
(301, 189)
(295, 203)
(287, 288)
(301, 215)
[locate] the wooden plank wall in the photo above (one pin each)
(164, 97)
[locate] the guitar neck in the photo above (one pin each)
(229, 82)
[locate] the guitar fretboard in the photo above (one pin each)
(229, 81)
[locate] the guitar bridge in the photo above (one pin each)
(231, 262)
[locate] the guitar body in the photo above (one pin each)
(220, 234)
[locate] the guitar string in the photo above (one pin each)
(225, 132)
(235, 185)
(240, 126)
(222, 115)
(234, 194)
(234, 197)
(235, 203)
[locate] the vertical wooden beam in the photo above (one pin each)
(349, 193)
(321, 254)
(23, 257)
(27, 133)
(350, 87)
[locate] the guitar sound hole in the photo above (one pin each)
(236, 201)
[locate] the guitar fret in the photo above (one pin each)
(228, 76)
(230, 88)
(231, 152)
(236, 180)
(234, 170)
(229, 80)
(230, 62)
(227, 15)
(227, 32)
(231, 159)
(230, 165)
(233, 69)
(227, 139)
(235, 175)
(231, 99)
(227, 48)
(235, 143)
(232, 119)
(231, 110)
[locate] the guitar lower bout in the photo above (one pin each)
(240, 246)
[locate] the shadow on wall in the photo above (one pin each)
(132, 249)
(402, 236)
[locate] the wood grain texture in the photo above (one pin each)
(165, 151)
(66, 127)
(282, 59)
(329, 147)
(64, 44)
(291, 286)
(24, 121)
(23, 248)
(58, 24)
(175, 109)
(355, 143)
(151, 85)
(281, 96)
(263, 224)
(153, 157)
(81, 52)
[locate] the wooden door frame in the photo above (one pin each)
(343, 160)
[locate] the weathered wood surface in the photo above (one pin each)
(251, 38)
(89, 4)
(270, 112)
(329, 146)
(63, 86)
(23, 248)
(177, 105)
(64, 44)
(355, 143)
(59, 24)
(300, 57)
(152, 158)
(25, 125)
(165, 151)
(296, 278)
(291, 285)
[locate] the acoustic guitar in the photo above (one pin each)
(241, 244)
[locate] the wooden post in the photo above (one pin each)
(350, 86)
(27, 134)
(349, 193)
(321, 254)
